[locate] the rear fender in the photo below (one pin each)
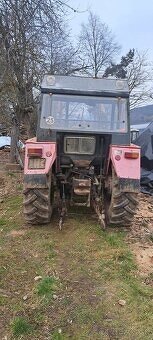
(38, 178)
(127, 169)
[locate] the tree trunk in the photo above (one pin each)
(14, 141)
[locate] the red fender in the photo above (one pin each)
(47, 151)
(126, 163)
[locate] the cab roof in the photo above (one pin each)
(84, 85)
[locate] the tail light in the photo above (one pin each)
(131, 154)
(34, 152)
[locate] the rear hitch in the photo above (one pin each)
(98, 202)
(63, 210)
(97, 205)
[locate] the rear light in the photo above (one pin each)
(34, 152)
(131, 154)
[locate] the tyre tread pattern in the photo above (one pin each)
(122, 207)
(37, 206)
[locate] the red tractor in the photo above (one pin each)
(83, 151)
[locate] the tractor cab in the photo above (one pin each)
(84, 105)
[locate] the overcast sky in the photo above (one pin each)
(131, 21)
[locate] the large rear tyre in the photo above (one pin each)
(37, 205)
(120, 206)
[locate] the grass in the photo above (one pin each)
(58, 336)
(20, 326)
(46, 287)
(114, 239)
(3, 222)
(151, 237)
(12, 174)
(88, 269)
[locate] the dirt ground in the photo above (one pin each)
(141, 236)
(4, 158)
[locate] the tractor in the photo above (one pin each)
(82, 155)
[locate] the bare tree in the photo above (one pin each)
(26, 29)
(97, 45)
(139, 77)
(7, 92)
(60, 56)
(136, 68)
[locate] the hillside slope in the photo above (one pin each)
(143, 114)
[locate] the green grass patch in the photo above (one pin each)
(124, 263)
(84, 314)
(14, 202)
(46, 287)
(139, 291)
(20, 326)
(58, 336)
(118, 262)
(3, 300)
(19, 187)
(12, 174)
(3, 222)
(151, 237)
(114, 239)
(118, 267)
(49, 250)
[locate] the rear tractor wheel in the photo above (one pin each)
(120, 207)
(38, 205)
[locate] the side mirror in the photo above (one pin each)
(134, 135)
